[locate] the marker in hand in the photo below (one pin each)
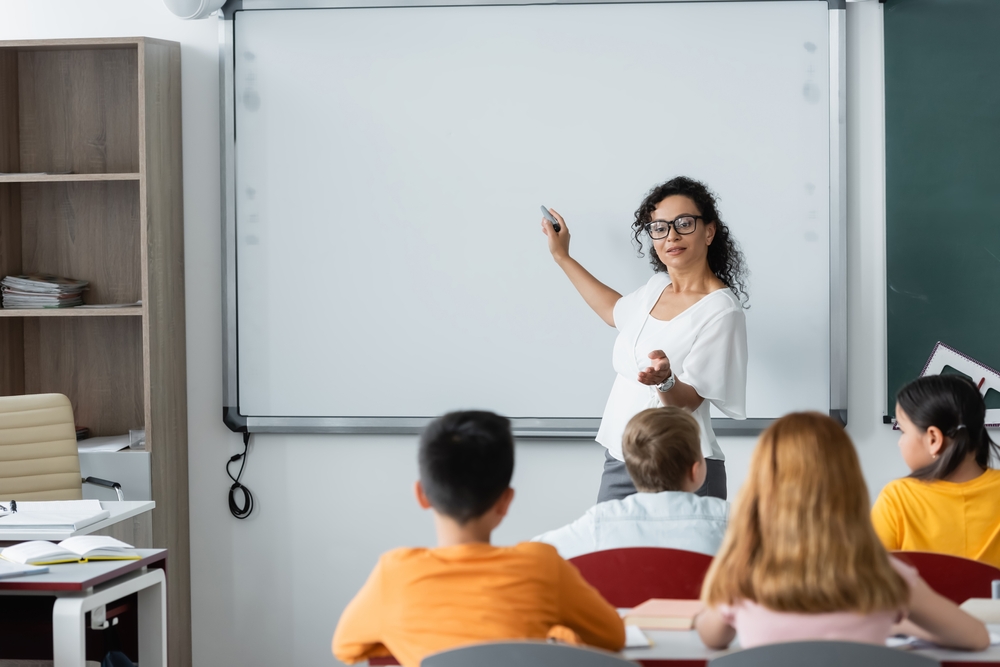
(551, 218)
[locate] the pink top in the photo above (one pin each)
(757, 625)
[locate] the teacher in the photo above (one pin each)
(682, 337)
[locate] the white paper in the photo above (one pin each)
(916, 643)
(86, 545)
(9, 569)
(636, 638)
(108, 443)
(54, 515)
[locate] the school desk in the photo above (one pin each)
(80, 588)
(673, 648)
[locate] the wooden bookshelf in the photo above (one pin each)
(91, 188)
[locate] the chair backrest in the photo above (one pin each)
(524, 654)
(38, 455)
(629, 577)
(822, 654)
(954, 577)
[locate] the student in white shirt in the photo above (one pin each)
(662, 449)
(682, 337)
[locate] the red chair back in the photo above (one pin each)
(629, 577)
(954, 577)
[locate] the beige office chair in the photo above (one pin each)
(38, 455)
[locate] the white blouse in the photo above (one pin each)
(707, 348)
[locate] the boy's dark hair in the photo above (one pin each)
(953, 404)
(659, 446)
(466, 462)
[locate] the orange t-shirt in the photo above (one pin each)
(421, 601)
(944, 517)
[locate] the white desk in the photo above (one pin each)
(685, 647)
(120, 510)
(83, 587)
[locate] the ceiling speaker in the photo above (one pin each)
(193, 9)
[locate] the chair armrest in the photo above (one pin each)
(97, 481)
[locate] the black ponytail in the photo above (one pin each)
(953, 404)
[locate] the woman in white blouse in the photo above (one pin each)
(682, 336)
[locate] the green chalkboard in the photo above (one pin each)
(942, 172)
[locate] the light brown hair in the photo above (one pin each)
(800, 538)
(660, 445)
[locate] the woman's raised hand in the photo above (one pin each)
(598, 296)
(558, 241)
(657, 371)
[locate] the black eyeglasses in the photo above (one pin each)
(683, 225)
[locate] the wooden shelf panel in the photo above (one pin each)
(87, 43)
(132, 311)
(95, 361)
(58, 178)
(87, 231)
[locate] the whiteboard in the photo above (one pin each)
(385, 261)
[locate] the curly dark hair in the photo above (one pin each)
(724, 255)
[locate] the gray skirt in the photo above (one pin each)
(616, 484)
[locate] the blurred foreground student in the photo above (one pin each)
(421, 601)
(950, 503)
(801, 562)
(662, 451)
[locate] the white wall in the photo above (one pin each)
(268, 590)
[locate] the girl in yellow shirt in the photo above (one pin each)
(948, 504)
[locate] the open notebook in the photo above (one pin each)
(81, 548)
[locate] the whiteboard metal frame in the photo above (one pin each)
(582, 428)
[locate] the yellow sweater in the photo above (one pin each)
(421, 601)
(957, 519)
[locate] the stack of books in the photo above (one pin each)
(41, 290)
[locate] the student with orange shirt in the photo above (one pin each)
(949, 503)
(421, 601)
(801, 562)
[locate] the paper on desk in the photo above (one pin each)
(985, 609)
(54, 515)
(635, 637)
(108, 443)
(9, 569)
(915, 643)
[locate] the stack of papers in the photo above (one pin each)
(41, 290)
(55, 515)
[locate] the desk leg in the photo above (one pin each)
(67, 632)
(153, 625)
(68, 642)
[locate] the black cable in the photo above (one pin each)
(244, 511)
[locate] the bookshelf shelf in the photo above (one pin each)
(91, 189)
(61, 178)
(72, 312)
